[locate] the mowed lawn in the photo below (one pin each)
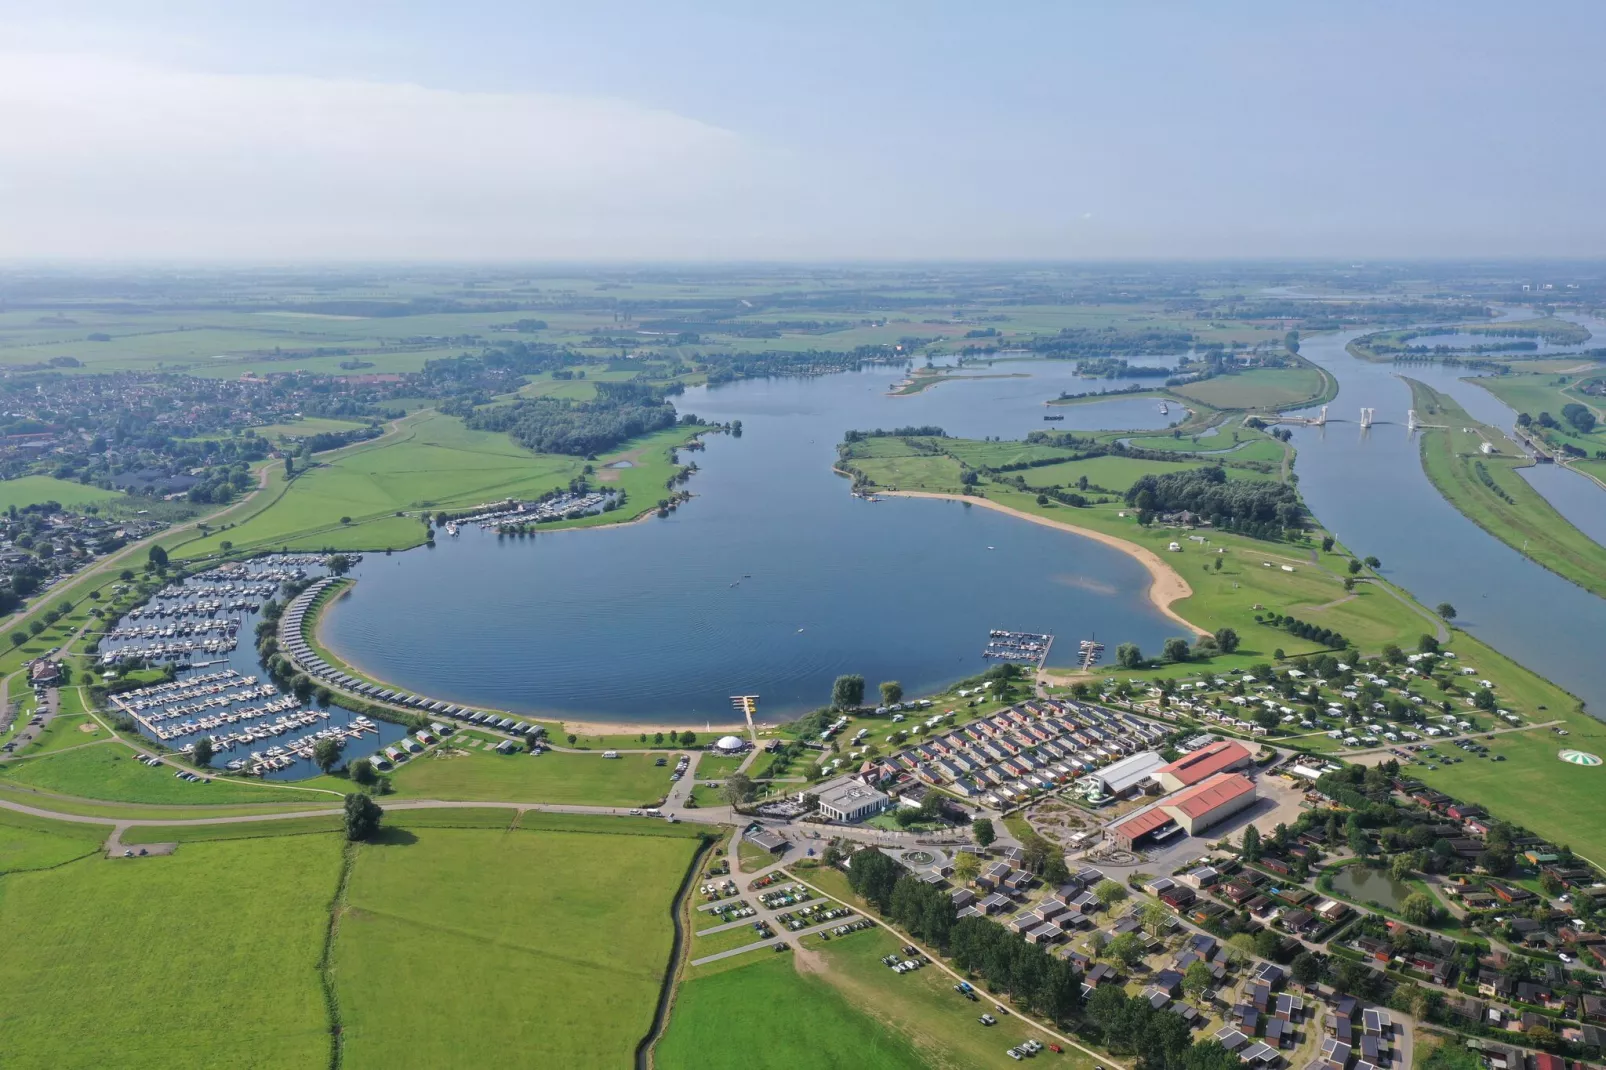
(108, 771)
(1257, 388)
(553, 777)
(1533, 787)
(32, 490)
(765, 1015)
(491, 948)
(204, 958)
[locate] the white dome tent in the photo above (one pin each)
(729, 744)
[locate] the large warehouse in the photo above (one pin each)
(1192, 810)
(1211, 801)
(1190, 769)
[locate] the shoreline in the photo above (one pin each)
(580, 728)
(1166, 584)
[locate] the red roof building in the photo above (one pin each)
(1210, 801)
(1202, 764)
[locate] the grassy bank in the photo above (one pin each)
(1488, 490)
(368, 496)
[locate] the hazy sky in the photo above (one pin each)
(711, 130)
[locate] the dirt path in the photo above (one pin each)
(1166, 584)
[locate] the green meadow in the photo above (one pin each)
(473, 775)
(33, 490)
(768, 1015)
(534, 948)
(1489, 491)
(109, 772)
(204, 958)
(350, 499)
(1260, 389)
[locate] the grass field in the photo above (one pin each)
(32, 490)
(1536, 393)
(1535, 788)
(1488, 490)
(534, 948)
(717, 767)
(204, 958)
(766, 1015)
(1259, 389)
(431, 462)
(66, 730)
(28, 842)
(553, 777)
(921, 1007)
(109, 772)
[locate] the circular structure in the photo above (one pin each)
(919, 858)
(1579, 757)
(729, 744)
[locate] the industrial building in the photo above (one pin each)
(1129, 774)
(1210, 802)
(1192, 810)
(1223, 756)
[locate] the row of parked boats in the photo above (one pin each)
(527, 512)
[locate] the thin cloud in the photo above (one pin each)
(110, 158)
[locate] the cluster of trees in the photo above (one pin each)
(1251, 506)
(324, 441)
(1118, 368)
(621, 411)
(1160, 1040)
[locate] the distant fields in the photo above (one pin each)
(32, 490)
(204, 958)
(1259, 389)
(484, 948)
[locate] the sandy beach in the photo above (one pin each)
(632, 728)
(1166, 584)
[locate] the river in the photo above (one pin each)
(1368, 487)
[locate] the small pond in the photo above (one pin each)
(1363, 884)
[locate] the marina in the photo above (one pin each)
(218, 691)
(1027, 647)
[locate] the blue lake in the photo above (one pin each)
(771, 581)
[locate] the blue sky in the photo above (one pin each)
(613, 130)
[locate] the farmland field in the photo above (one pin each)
(203, 958)
(553, 777)
(806, 1023)
(32, 490)
(28, 842)
(536, 948)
